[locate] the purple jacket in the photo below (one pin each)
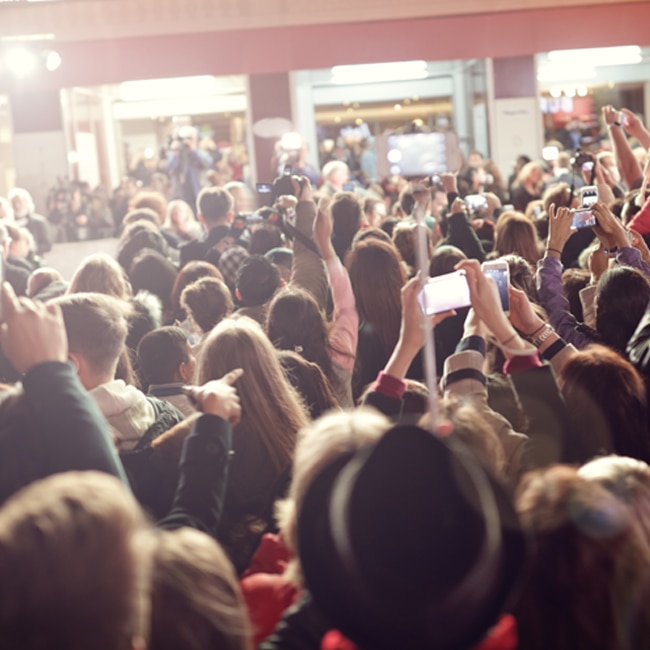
(552, 298)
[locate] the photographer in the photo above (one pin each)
(184, 164)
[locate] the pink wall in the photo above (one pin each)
(263, 51)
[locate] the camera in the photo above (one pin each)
(582, 158)
(283, 185)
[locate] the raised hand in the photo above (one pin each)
(560, 228)
(31, 333)
(218, 397)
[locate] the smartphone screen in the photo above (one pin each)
(584, 218)
(444, 293)
(500, 273)
(265, 194)
(588, 195)
(476, 202)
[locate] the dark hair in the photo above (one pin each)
(294, 322)
(622, 296)
(137, 241)
(208, 300)
(404, 240)
(160, 353)
(573, 282)
(257, 280)
(606, 403)
(444, 260)
(153, 272)
(371, 233)
(190, 273)
(214, 204)
(388, 225)
(346, 219)
(377, 277)
(265, 237)
(310, 381)
(406, 200)
(587, 582)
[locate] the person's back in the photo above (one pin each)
(96, 329)
(167, 364)
(215, 211)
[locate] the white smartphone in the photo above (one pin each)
(476, 202)
(444, 293)
(499, 271)
(588, 196)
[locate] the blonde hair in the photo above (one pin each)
(475, 432)
(329, 438)
(75, 560)
(100, 273)
(196, 602)
(271, 407)
(527, 170)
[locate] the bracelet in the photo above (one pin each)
(512, 338)
(534, 333)
(548, 330)
(616, 124)
(554, 250)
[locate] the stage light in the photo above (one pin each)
(21, 61)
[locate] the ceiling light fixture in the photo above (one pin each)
(379, 72)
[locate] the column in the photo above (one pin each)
(515, 114)
(269, 97)
(39, 145)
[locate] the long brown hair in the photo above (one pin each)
(515, 233)
(607, 408)
(270, 406)
(377, 278)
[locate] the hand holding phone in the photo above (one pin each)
(584, 218)
(499, 271)
(588, 194)
(444, 293)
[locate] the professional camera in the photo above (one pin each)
(283, 184)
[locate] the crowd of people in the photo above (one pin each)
(222, 437)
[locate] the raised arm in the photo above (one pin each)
(551, 293)
(307, 270)
(345, 320)
(199, 497)
(628, 165)
(71, 427)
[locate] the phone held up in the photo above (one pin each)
(499, 271)
(444, 293)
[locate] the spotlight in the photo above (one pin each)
(52, 60)
(21, 61)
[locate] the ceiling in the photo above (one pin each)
(83, 20)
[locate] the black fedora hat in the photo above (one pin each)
(410, 543)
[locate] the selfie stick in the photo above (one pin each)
(429, 346)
